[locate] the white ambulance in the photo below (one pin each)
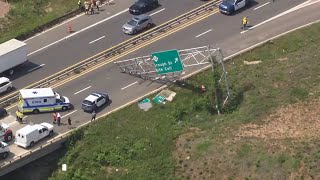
(42, 100)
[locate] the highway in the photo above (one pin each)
(57, 49)
(123, 88)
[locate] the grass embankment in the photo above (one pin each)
(263, 137)
(27, 15)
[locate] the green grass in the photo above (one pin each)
(141, 145)
(27, 15)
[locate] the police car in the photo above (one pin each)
(230, 6)
(94, 101)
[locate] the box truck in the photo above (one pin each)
(30, 134)
(42, 100)
(12, 54)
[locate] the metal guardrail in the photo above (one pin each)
(114, 51)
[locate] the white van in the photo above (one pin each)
(30, 134)
(42, 100)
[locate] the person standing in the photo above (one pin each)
(79, 4)
(93, 117)
(58, 119)
(69, 122)
(91, 8)
(54, 117)
(244, 23)
(98, 3)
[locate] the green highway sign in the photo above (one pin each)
(167, 61)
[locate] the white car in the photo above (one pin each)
(5, 84)
(94, 101)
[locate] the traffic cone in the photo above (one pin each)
(69, 28)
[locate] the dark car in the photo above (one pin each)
(3, 112)
(94, 101)
(142, 6)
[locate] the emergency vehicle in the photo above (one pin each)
(42, 100)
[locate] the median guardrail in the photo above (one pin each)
(114, 51)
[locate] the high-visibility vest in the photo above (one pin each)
(244, 20)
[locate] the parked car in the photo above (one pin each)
(5, 85)
(30, 134)
(143, 6)
(4, 150)
(3, 112)
(137, 23)
(94, 101)
(230, 6)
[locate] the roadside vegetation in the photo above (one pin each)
(28, 15)
(269, 129)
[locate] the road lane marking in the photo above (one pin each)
(69, 114)
(300, 6)
(97, 39)
(36, 68)
(129, 85)
(203, 33)
(261, 6)
(82, 90)
(157, 12)
(62, 23)
(77, 32)
(157, 90)
(197, 19)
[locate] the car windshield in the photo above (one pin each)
(140, 4)
(87, 102)
(133, 22)
(58, 96)
(230, 1)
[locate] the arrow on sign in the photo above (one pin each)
(176, 60)
(155, 58)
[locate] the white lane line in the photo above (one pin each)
(77, 32)
(82, 90)
(157, 12)
(261, 6)
(203, 33)
(77, 16)
(129, 85)
(302, 5)
(97, 39)
(69, 113)
(36, 68)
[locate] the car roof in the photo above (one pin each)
(94, 96)
(4, 79)
(142, 16)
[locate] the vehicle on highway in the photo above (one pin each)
(3, 112)
(42, 100)
(5, 85)
(94, 101)
(30, 134)
(5, 133)
(231, 6)
(4, 150)
(137, 24)
(12, 54)
(143, 6)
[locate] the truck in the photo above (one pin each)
(12, 53)
(5, 133)
(30, 134)
(42, 100)
(4, 150)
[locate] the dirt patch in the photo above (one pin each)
(4, 8)
(298, 121)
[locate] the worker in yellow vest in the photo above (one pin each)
(244, 23)
(19, 116)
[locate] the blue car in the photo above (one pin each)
(231, 6)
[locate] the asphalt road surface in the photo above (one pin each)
(267, 21)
